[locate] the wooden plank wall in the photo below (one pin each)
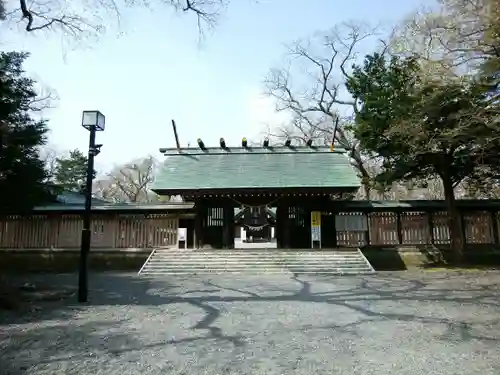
(110, 232)
(140, 231)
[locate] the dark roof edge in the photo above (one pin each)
(484, 204)
(418, 204)
(120, 207)
(251, 190)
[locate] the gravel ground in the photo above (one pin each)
(390, 323)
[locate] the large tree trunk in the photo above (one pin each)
(367, 190)
(360, 166)
(454, 220)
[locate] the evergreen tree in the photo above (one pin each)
(22, 172)
(423, 130)
(71, 171)
(2, 10)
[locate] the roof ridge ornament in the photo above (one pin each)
(222, 143)
(201, 144)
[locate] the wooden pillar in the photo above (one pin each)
(328, 227)
(399, 227)
(279, 227)
(286, 226)
(305, 241)
(334, 228)
(282, 225)
(199, 219)
(463, 226)
(430, 224)
(367, 232)
(494, 227)
(228, 231)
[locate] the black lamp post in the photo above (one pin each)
(93, 121)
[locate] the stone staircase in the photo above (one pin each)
(185, 262)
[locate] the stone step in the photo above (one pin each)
(165, 262)
(259, 253)
(263, 266)
(257, 272)
(259, 256)
(259, 259)
(254, 268)
(256, 262)
(255, 256)
(358, 266)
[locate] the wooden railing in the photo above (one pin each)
(64, 232)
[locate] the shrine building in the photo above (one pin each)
(295, 188)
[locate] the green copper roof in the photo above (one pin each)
(255, 168)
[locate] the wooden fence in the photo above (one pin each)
(416, 228)
(111, 232)
(150, 231)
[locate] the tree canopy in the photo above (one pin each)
(425, 129)
(22, 173)
(71, 171)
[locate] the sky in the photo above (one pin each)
(155, 68)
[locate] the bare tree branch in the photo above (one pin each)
(43, 101)
(314, 103)
(89, 18)
(206, 11)
(129, 183)
(49, 157)
(450, 41)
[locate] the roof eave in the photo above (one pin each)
(253, 190)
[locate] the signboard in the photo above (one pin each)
(316, 229)
(316, 219)
(316, 233)
(181, 234)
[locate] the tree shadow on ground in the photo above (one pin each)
(360, 295)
